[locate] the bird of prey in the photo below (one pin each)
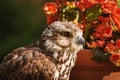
(50, 58)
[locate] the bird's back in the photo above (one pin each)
(27, 64)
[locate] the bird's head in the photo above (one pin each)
(61, 35)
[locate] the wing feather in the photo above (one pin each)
(27, 64)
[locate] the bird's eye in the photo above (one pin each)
(66, 33)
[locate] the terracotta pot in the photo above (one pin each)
(88, 69)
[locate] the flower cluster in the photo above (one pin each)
(103, 32)
(99, 19)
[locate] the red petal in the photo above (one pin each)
(115, 57)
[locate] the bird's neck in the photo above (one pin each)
(58, 56)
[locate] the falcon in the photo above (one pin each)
(52, 57)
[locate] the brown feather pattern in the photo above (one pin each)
(50, 58)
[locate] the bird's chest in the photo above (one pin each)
(65, 67)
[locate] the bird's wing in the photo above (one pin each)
(26, 64)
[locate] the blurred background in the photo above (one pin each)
(21, 22)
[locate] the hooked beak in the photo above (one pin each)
(80, 41)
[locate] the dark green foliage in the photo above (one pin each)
(93, 13)
(21, 22)
(100, 55)
(68, 13)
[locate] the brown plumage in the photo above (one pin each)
(50, 58)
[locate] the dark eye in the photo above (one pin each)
(66, 33)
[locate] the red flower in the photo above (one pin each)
(110, 47)
(91, 44)
(61, 1)
(51, 18)
(103, 24)
(118, 44)
(116, 17)
(103, 30)
(115, 57)
(84, 4)
(50, 8)
(97, 35)
(100, 43)
(107, 31)
(109, 6)
(99, 1)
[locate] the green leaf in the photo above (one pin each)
(87, 31)
(69, 13)
(93, 13)
(118, 3)
(100, 56)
